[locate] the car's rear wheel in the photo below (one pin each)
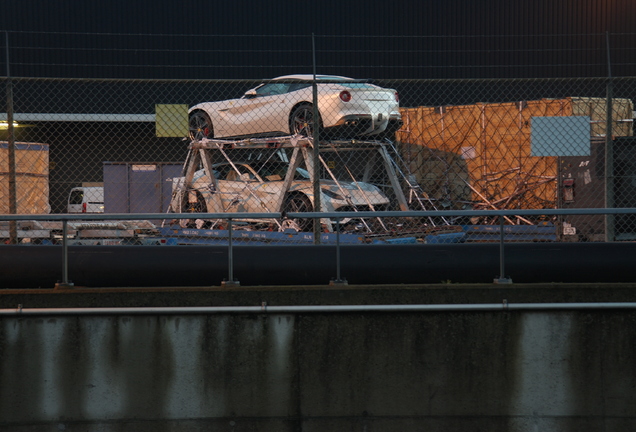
(299, 203)
(301, 120)
(200, 126)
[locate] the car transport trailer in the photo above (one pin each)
(278, 175)
(86, 233)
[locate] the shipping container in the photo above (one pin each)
(139, 187)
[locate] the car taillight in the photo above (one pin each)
(397, 97)
(83, 207)
(345, 96)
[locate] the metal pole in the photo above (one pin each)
(230, 259)
(65, 282)
(502, 278)
(13, 201)
(316, 139)
(338, 280)
(609, 150)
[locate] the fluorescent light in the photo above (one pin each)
(5, 124)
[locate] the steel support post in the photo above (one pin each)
(65, 283)
(338, 280)
(502, 279)
(230, 259)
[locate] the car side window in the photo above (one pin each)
(220, 172)
(272, 89)
(298, 86)
(227, 172)
(232, 176)
(246, 174)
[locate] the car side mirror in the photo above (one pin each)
(250, 94)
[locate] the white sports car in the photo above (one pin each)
(243, 187)
(283, 106)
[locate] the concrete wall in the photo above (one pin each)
(434, 371)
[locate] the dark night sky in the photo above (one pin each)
(329, 17)
(248, 39)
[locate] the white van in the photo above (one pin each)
(86, 199)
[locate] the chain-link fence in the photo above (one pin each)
(245, 146)
(123, 146)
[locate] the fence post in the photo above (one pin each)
(13, 202)
(338, 280)
(316, 138)
(609, 149)
(230, 259)
(502, 279)
(65, 284)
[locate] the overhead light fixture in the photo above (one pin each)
(5, 124)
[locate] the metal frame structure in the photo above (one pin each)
(201, 156)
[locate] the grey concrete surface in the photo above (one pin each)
(366, 371)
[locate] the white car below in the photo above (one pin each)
(241, 187)
(284, 106)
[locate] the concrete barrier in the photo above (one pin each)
(557, 370)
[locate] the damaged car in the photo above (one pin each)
(270, 186)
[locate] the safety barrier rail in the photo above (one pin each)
(232, 236)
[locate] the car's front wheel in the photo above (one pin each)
(301, 120)
(299, 203)
(192, 202)
(200, 126)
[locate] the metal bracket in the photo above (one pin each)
(502, 280)
(64, 285)
(338, 282)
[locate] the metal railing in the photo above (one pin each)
(264, 308)
(336, 216)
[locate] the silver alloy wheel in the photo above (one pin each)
(302, 120)
(299, 203)
(200, 126)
